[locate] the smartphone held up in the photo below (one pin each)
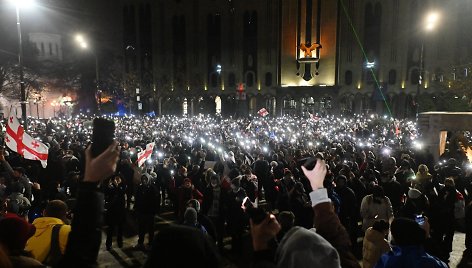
(103, 135)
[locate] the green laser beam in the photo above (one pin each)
(365, 55)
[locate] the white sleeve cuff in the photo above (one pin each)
(319, 196)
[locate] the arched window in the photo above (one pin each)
(268, 79)
(392, 77)
(348, 78)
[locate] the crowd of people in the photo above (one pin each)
(374, 197)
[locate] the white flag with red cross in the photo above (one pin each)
(18, 141)
(263, 112)
(146, 154)
(314, 117)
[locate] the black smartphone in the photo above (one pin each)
(310, 163)
(103, 135)
(256, 214)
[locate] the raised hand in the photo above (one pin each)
(317, 174)
(102, 166)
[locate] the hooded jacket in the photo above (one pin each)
(40, 243)
(374, 246)
(301, 246)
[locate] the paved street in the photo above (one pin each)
(128, 257)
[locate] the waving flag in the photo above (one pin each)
(263, 112)
(18, 141)
(146, 154)
(314, 117)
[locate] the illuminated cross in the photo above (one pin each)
(7, 139)
(11, 119)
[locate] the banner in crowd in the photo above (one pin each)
(146, 154)
(18, 141)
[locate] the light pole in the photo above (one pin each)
(429, 24)
(18, 5)
(83, 44)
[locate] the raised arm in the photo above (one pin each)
(326, 221)
(85, 236)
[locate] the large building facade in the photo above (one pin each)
(235, 57)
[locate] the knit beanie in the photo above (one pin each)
(190, 216)
(14, 232)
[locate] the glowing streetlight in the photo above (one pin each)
(83, 44)
(19, 4)
(430, 23)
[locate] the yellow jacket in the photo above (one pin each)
(40, 243)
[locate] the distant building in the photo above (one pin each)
(49, 46)
(290, 57)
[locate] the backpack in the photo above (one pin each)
(55, 254)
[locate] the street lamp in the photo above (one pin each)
(19, 4)
(83, 44)
(428, 25)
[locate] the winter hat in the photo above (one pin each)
(406, 232)
(301, 247)
(414, 193)
(274, 164)
(14, 232)
(190, 216)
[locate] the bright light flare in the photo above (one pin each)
(23, 3)
(431, 20)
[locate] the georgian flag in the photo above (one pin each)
(314, 117)
(18, 141)
(263, 112)
(146, 154)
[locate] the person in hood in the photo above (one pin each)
(375, 244)
(191, 220)
(53, 224)
(423, 177)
